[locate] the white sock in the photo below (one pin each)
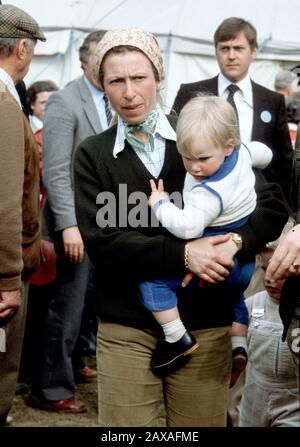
(239, 342)
(173, 330)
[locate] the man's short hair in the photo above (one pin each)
(7, 45)
(230, 28)
(95, 36)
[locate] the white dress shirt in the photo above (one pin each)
(243, 99)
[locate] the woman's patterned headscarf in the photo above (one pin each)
(135, 37)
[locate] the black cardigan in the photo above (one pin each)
(123, 255)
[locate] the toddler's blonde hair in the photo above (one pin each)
(209, 117)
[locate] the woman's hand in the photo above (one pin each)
(73, 244)
(157, 193)
(210, 258)
(286, 258)
(227, 249)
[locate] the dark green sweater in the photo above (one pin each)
(123, 255)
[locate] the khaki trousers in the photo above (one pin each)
(130, 395)
(10, 360)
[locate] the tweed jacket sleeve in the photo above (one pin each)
(11, 192)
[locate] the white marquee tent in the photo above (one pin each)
(185, 30)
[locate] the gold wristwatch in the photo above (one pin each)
(237, 239)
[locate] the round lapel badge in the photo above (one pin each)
(266, 116)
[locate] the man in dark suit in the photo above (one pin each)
(261, 112)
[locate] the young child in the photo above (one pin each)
(270, 396)
(218, 197)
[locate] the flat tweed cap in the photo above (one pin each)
(16, 23)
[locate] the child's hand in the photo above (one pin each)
(157, 193)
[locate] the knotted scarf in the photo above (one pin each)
(146, 127)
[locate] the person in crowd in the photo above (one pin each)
(296, 175)
(112, 173)
(293, 107)
(285, 264)
(72, 114)
(286, 83)
(261, 112)
(19, 194)
(41, 281)
(293, 114)
(37, 95)
(218, 196)
(270, 396)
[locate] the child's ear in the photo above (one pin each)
(229, 146)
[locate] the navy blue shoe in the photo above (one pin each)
(168, 357)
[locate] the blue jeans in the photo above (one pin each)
(160, 294)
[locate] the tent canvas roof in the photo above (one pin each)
(277, 21)
(185, 30)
